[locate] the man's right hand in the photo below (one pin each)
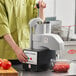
(21, 56)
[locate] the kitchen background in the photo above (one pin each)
(62, 15)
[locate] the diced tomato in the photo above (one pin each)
(61, 67)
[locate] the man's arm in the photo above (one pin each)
(5, 33)
(41, 14)
(42, 5)
(20, 55)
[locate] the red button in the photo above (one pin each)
(30, 58)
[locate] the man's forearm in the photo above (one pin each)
(18, 51)
(42, 5)
(41, 14)
(11, 42)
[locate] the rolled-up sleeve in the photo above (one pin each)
(35, 10)
(4, 29)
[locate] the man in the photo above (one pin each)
(14, 29)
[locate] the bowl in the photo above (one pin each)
(61, 65)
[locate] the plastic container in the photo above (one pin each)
(61, 65)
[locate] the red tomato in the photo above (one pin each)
(0, 62)
(61, 67)
(6, 64)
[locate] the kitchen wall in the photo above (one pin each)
(50, 10)
(65, 11)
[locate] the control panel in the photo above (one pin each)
(32, 57)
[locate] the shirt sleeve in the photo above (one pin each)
(35, 10)
(4, 29)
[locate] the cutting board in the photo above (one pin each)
(9, 72)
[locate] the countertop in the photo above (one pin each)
(22, 72)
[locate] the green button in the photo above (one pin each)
(28, 58)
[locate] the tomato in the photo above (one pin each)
(6, 64)
(0, 62)
(5, 60)
(61, 67)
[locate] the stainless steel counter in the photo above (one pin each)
(71, 72)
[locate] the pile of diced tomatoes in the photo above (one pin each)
(5, 64)
(61, 67)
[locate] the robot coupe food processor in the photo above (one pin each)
(43, 46)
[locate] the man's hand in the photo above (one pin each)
(42, 4)
(21, 56)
